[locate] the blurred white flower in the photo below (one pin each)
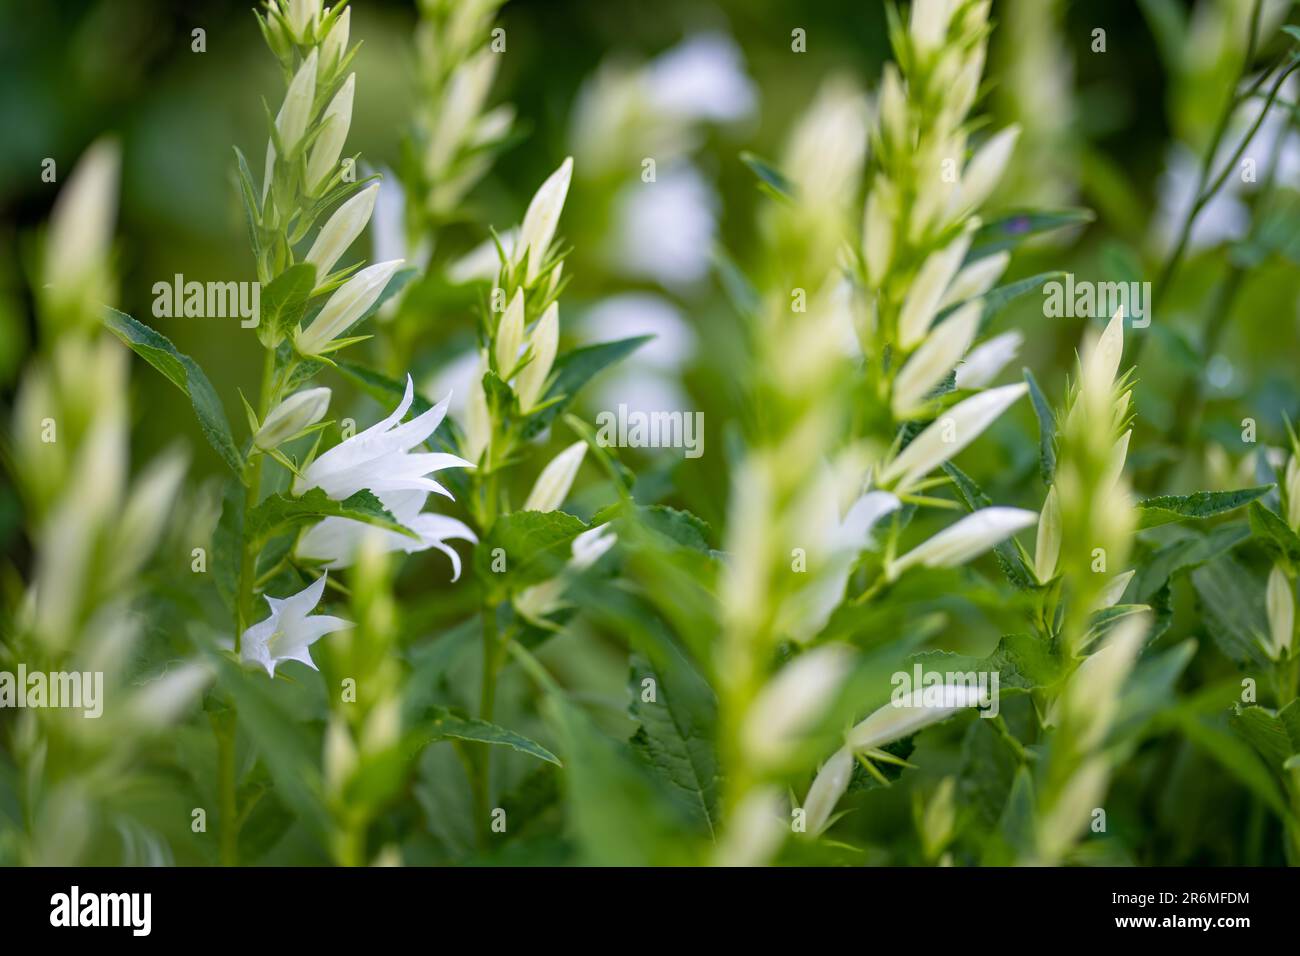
(1224, 218)
(289, 632)
(791, 701)
(553, 484)
(665, 230)
(931, 363)
(702, 78)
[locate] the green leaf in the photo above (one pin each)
(1023, 662)
(1184, 555)
(1046, 428)
(445, 725)
(1235, 756)
(381, 388)
(768, 175)
(1232, 603)
(995, 300)
(283, 302)
(183, 372)
(573, 370)
(536, 546)
(1008, 558)
(681, 527)
(1153, 512)
(617, 811)
(1008, 231)
(677, 728)
(1267, 733)
(228, 543)
(279, 513)
(252, 210)
(1274, 534)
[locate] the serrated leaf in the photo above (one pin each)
(1184, 555)
(1274, 534)
(536, 546)
(678, 727)
(442, 724)
(574, 369)
(1008, 231)
(278, 513)
(1009, 559)
(283, 302)
(1046, 428)
(183, 372)
(1022, 662)
(1232, 602)
(768, 175)
(1266, 733)
(1153, 512)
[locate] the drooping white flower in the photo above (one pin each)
(542, 217)
(300, 410)
(948, 435)
(342, 230)
(348, 303)
(380, 460)
(968, 538)
(325, 151)
(987, 359)
(290, 631)
(937, 356)
(1279, 598)
(553, 484)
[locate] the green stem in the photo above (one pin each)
(481, 781)
(223, 726)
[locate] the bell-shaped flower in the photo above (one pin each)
(290, 631)
(943, 438)
(968, 538)
(299, 411)
(380, 460)
(348, 304)
(542, 217)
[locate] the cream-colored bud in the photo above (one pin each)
(553, 484)
(342, 230)
(544, 341)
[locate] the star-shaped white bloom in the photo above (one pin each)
(380, 460)
(288, 633)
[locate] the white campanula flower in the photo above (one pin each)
(968, 538)
(702, 78)
(665, 230)
(342, 230)
(300, 410)
(380, 460)
(290, 631)
(542, 217)
(987, 360)
(556, 479)
(348, 304)
(325, 151)
(945, 437)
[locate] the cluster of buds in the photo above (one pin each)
(304, 177)
(521, 330)
(1087, 521)
(921, 310)
(458, 55)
